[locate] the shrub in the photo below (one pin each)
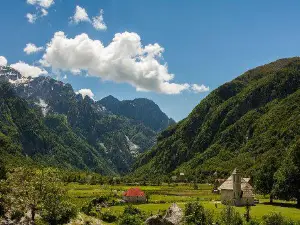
(273, 219)
(230, 216)
(128, 219)
(108, 217)
(196, 214)
(58, 212)
(131, 210)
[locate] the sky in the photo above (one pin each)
(173, 52)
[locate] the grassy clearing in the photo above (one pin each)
(161, 197)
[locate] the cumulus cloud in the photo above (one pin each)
(98, 21)
(86, 92)
(80, 15)
(28, 70)
(3, 61)
(199, 88)
(41, 3)
(31, 17)
(124, 60)
(32, 48)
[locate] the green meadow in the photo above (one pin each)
(161, 197)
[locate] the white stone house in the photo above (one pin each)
(237, 190)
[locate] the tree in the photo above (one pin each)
(287, 180)
(273, 219)
(247, 214)
(196, 214)
(128, 219)
(36, 191)
(264, 177)
(131, 216)
(230, 216)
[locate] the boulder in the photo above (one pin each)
(173, 216)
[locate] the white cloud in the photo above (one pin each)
(28, 70)
(31, 17)
(3, 61)
(98, 21)
(41, 3)
(80, 15)
(199, 88)
(75, 71)
(41, 6)
(44, 12)
(124, 60)
(86, 92)
(32, 48)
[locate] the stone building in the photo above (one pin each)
(134, 195)
(237, 190)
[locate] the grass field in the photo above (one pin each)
(161, 197)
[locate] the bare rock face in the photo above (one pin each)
(173, 216)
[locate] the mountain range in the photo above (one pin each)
(240, 124)
(45, 120)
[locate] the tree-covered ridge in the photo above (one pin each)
(241, 123)
(49, 140)
(140, 109)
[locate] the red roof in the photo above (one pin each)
(134, 192)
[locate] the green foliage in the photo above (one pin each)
(196, 214)
(230, 216)
(264, 176)
(131, 210)
(287, 178)
(39, 191)
(274, 219)
(108, 217)
(56, 211)
(127, 219)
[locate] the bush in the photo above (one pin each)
(196, 214)
(230, 216)
(108, 217)
(58, 212)
(273, 219)
(131, 210)
(128, 219)
(253, 222)
(277, 219)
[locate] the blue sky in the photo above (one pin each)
(205, 42)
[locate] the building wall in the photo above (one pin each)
(134, 199)
(226, 196)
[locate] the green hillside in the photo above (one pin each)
(24, 132)
(241, 123)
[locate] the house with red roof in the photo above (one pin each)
(134, 195)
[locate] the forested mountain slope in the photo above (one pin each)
(241, 123)
(114, 140)
(24, 131)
